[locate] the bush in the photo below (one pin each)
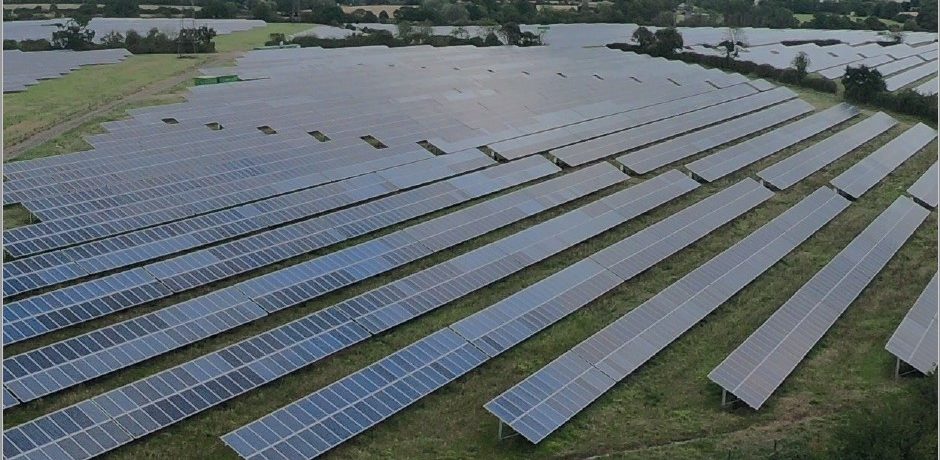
(34, 45)
(862, 84)
(10, 45)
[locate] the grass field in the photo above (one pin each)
(668, 409)
(52, 102)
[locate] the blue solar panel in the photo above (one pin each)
(115, 252)
(547, 399)
(73, 361)
(201, 267)
(54, 367)
(9, 400)
(61, 308)
(338, 412)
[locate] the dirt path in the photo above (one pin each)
(159, 87)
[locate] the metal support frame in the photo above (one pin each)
(727, 399)
(501, 436)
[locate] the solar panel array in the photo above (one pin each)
(34, 30)
(37, 315)
(912, 75)
(330, 416)
(55, 367)
(925, 189)
(915, 340)
(318, 147)
(754, 370)
(27, 274)
(863, 175)
(678, 148)
(817, 156)
(22, 70)
(601, 147)
(731, 159)
(547, 399)
(262, 358)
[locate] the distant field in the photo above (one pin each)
(72, 6)
(809, 17)
(51, 102)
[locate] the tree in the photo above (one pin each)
(927, 15)
(74, 35)
(405, 30)
(862, 84)
(665, 19)
(263, 10)
(383, 16)
(217, 9)
(121, 8)
(668, 41)
(800, 64)
(511, 33)
(643, 38)
(88, 8)
(491, 40)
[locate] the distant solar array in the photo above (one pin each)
(35, 30)
(22, 70)
(327, 168)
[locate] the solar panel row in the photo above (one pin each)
(863, 175)
(54, 234)
(815, 157)
(915, 340)
(731, 159)
(545, 401)
(675, 149)
(256, 360)
(54, 310)
(66, 363)
(754, 370)
(924, 190)
(601, 147)
(677, 104)
(326, 418)
(24, 275)
(909, 76)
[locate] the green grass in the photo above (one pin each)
(248, 39)
(52, 102)
(667, 409)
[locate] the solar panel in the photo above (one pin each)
(328, 417)
(659, 155)
(72, 361)
(754, 370)
(492, 330)
(51, 368)
(813, 158)
(915, 340)
(64, 307)
(733, 158)
(909, 76)
(929, 88)
(81, 228)
(50, 268)
(602, 147)
(664, 105)
(8, 400)
(74, 304)
(862, 176)
(924, 191)
(546, 400)
(79, 431)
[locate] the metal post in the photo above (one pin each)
(897, 368)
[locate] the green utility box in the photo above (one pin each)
(205, 80)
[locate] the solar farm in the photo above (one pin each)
(502, 252)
